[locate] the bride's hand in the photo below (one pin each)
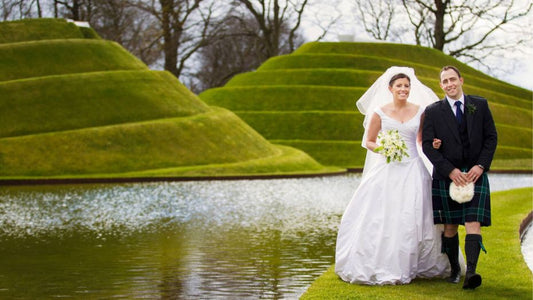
(437, 143)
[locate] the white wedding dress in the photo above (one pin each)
(387, 235)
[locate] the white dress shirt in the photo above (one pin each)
(452, 103)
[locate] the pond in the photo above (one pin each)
(243, 239)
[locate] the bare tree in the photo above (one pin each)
(185, 27)
(420, 20)
(134, 29)
(324, 17)
(467, 29)
(377, 17)
(20, 9)
(78, 10)
(235, 51)
(7, 9)
(271, 17)
(39, 9)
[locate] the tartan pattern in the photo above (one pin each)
(447, 211)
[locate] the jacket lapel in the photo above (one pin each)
(469, 116)
(449, 119)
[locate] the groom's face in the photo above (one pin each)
(451, 84)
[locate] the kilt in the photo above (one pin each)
(447, 211)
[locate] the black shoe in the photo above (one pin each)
(472, 281)
(455, 277)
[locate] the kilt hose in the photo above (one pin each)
(447, 211)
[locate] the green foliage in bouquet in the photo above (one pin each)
(391, 145)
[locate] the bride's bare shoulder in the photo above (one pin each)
(413, 106)
(387, 107)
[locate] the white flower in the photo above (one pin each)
(462, 194)
(392, 146)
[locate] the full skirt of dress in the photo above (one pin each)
(387, 235)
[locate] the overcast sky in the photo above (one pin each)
(519, 66)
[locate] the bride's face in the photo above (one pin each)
(400, 89)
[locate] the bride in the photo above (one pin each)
(387, 235)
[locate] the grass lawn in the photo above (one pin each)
(505, 273)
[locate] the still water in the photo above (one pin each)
(245, 239)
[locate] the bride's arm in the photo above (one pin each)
(436, 142)
(419, 134)
(374, 127)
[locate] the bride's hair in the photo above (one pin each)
(398, 76)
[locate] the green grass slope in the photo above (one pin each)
(56, 57)
(505, 273)
(136, 146)
(75, 101)
(307, 99)
(75, 107)
(42, 29)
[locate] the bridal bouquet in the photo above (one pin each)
(391, 145)
(462, 194)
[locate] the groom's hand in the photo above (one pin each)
(474, 173)
(458, 177)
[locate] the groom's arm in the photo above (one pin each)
(440, 163)
(490, 136)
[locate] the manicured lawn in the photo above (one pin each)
(505, 273)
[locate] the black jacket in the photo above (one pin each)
(439, 122)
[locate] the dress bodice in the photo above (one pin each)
(387, 235)
(408, 130)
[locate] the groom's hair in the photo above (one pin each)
(398, 76)
(446, 68)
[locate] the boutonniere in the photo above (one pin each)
(471, 108)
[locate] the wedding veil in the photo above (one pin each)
(378, 95)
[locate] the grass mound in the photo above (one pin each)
(307, 99)
(39, 29)
(73, 107)
(288, 161)
(505, 273)
(58, 57)
(378, 64)
(68, 102)
(135, 146)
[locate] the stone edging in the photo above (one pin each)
(54, 181)
(524, 225)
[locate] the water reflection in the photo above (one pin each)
(230, 239)
(286, 205)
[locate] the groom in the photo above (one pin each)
(464, 125)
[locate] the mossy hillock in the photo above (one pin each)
(42, 29)
(56, 57)
(76, 106)
(307, 99)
